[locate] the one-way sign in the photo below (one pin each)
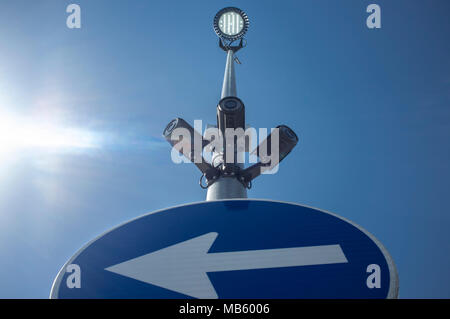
(231, 249)
(189, 275)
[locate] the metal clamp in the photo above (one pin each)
(227, 46)
(213, 175)
(200, 182)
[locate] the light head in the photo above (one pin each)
(231, 24)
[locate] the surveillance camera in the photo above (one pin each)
(231, 124)
(188, 142)
(182, 136)
(287, 139)
(230, 114)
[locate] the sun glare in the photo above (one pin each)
(18, 134)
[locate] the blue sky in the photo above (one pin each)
(371, 108)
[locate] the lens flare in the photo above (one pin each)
(18, 133)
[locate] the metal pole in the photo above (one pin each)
(229, 78)
(226, 186)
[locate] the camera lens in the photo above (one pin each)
(230, 104)
(288, 133)
(170, 127)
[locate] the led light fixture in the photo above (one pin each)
(231, 23)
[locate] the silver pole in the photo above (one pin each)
(226, 187)
(229, 78)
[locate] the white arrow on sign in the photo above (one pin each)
(183, 267)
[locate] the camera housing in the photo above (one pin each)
(175, 132)
(287, 141)
(230, 114)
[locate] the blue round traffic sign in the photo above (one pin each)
(231, 249)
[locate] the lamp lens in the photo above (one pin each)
(231, 23)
